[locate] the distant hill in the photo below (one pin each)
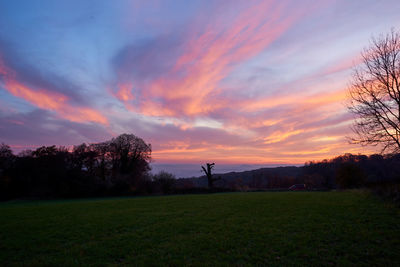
(256, 179)
(345, 171)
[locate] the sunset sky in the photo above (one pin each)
(233, 82)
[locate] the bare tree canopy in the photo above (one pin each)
(375, 94)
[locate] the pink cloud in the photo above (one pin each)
(189, 87)
(48, 100)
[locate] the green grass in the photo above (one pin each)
(313, 228)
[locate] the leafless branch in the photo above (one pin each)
(375, 95)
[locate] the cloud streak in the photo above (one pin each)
(46, 99)
(193, 81)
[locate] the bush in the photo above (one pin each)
(164, 182)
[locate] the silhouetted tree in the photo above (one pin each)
(6, 156)
(6, 163)
(208, 171)
(130, 157)
(129, 150)
(375, 94)
(350, 175)
(5, 151)
(101, 152)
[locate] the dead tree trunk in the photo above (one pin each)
(208, 173)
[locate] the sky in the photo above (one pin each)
(231, 82)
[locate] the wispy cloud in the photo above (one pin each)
(46, 99)
(189, 87)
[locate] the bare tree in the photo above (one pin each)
(209, 175)
(129, 152)
(375, 94)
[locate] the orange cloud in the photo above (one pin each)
(82, 114)
(189, 87)
(48, 100)
(40, 98)
(280, 136)
(124, 92)
(304, 100)
(252, 154)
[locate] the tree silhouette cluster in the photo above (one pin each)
(353, 171)
(115, 167)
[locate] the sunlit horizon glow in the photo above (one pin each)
(233, 82)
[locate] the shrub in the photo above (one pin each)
(164, 182)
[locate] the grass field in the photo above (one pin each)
(313, 228)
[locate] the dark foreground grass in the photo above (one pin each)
(318, 228)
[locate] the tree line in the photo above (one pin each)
(353, 171)
(119, 166)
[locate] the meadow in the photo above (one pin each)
(282, 228)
